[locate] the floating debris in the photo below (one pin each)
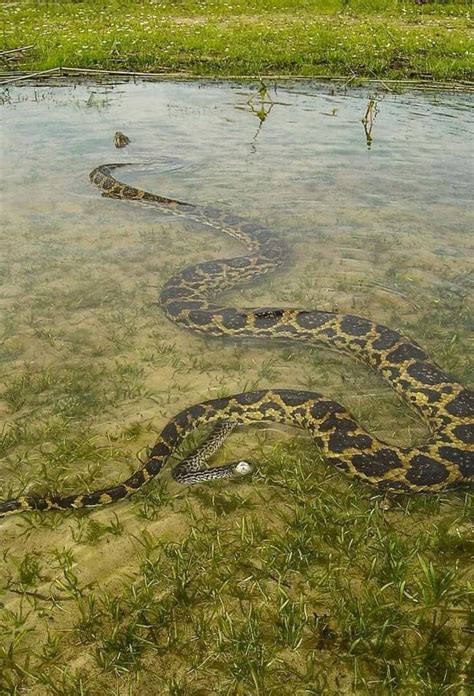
(121, 140)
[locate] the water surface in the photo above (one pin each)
(378, 227)
(379, 223)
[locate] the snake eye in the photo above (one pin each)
(242, 468)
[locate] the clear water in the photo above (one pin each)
(378, 228)
(90, 370)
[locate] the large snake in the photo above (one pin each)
(444, 462)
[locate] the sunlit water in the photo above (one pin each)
(90, 370)
(379, 225)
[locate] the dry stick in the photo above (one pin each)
(94, 71)
(346, 78)
(30, 75)
(42, 597)
(420, 84)
(17, 50)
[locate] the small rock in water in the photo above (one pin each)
(120, 139)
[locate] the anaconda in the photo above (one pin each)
(190, 299)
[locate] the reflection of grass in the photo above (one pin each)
(333, 37)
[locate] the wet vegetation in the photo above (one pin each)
(294, 581)
(358, 38)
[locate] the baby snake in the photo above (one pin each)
(444, 462)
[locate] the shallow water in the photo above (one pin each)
(380, 229)
(90, 369)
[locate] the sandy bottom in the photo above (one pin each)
(90, 370)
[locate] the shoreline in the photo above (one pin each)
(65, 76)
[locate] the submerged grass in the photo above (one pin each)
(294, 582)
(297, 582)
(366, 38)
(325, 593)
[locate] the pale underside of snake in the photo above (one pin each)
(191, 299)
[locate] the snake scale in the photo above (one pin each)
(444, 462)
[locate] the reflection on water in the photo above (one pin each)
(380, 231)
(378, 220)
(369, 119)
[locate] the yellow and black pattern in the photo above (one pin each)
(444, 462)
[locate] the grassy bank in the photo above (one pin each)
(368, 38)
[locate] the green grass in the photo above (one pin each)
(365, 38)
(324, 593)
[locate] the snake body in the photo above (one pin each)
(444, 462)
